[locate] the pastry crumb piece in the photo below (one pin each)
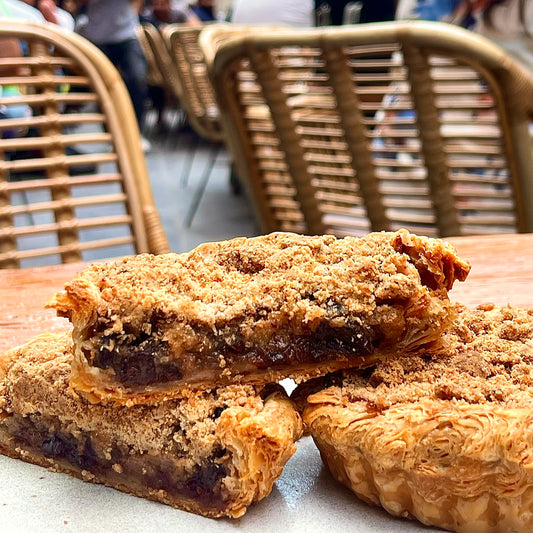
(211, 452)
(261, 309)
(445, 436)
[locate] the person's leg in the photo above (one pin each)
(128, 57)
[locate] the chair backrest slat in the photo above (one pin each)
(432, 147)
(268, 77)
(352, 120)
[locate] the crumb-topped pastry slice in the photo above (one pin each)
(210, 452)
(445, 437)
(253, 310)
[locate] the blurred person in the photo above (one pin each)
(111, 25)
(204, 10)
(297, 13)
(166, 12)
(224, 9)
(138, 5)
(11, 48)
(52, 13)
(70, 6)
(371, 11)
(19, 10)
(509, 23)
(78, 10)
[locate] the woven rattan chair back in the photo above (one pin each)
(378, 126)
(160, 55)
(73, 178)
(197, 99)
(155, 76)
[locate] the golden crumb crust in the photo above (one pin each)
(223, 448)
(254, 310)
(445, 436)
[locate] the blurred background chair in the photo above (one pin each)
(161, 92)
(376, 127)
(197, 99)
(197, 93)
(73, 179)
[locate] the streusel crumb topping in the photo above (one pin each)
(486, 357)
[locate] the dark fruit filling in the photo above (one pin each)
(160, 473)
(200, 485)
(80, 453)
(137, 363)
(139, 359)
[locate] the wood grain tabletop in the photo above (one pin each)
(502, 273)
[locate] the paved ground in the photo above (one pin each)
(220, 215)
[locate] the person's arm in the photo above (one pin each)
(137, 5)
(48, 9)
(10, 47)
(192, 19)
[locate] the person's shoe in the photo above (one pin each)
(146, 145)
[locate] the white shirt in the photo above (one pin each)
(110, 21)
(298, 13)
(507, 30)
(17, 10)
(64, 19)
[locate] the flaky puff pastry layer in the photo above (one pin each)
(254, 311)
(444, 437)
(210, 452)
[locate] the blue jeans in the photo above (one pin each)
(128, 58)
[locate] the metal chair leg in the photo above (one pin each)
(191, 153)
(201, 188)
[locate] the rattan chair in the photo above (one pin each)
(160, 89)
(73, 178)
(197, 99)
(158, 53)
(154, 76)
(378, 126)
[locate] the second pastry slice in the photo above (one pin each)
(445, 436)
(209, 452)
(255, 311)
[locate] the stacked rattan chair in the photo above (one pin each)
(160, 90)
(197, 96)
(154, 76)
(73, 178)
(159, 60)
(197, 99)
(375, 127)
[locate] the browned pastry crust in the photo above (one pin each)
(254, 310)
(445, 437)
(211, 452)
